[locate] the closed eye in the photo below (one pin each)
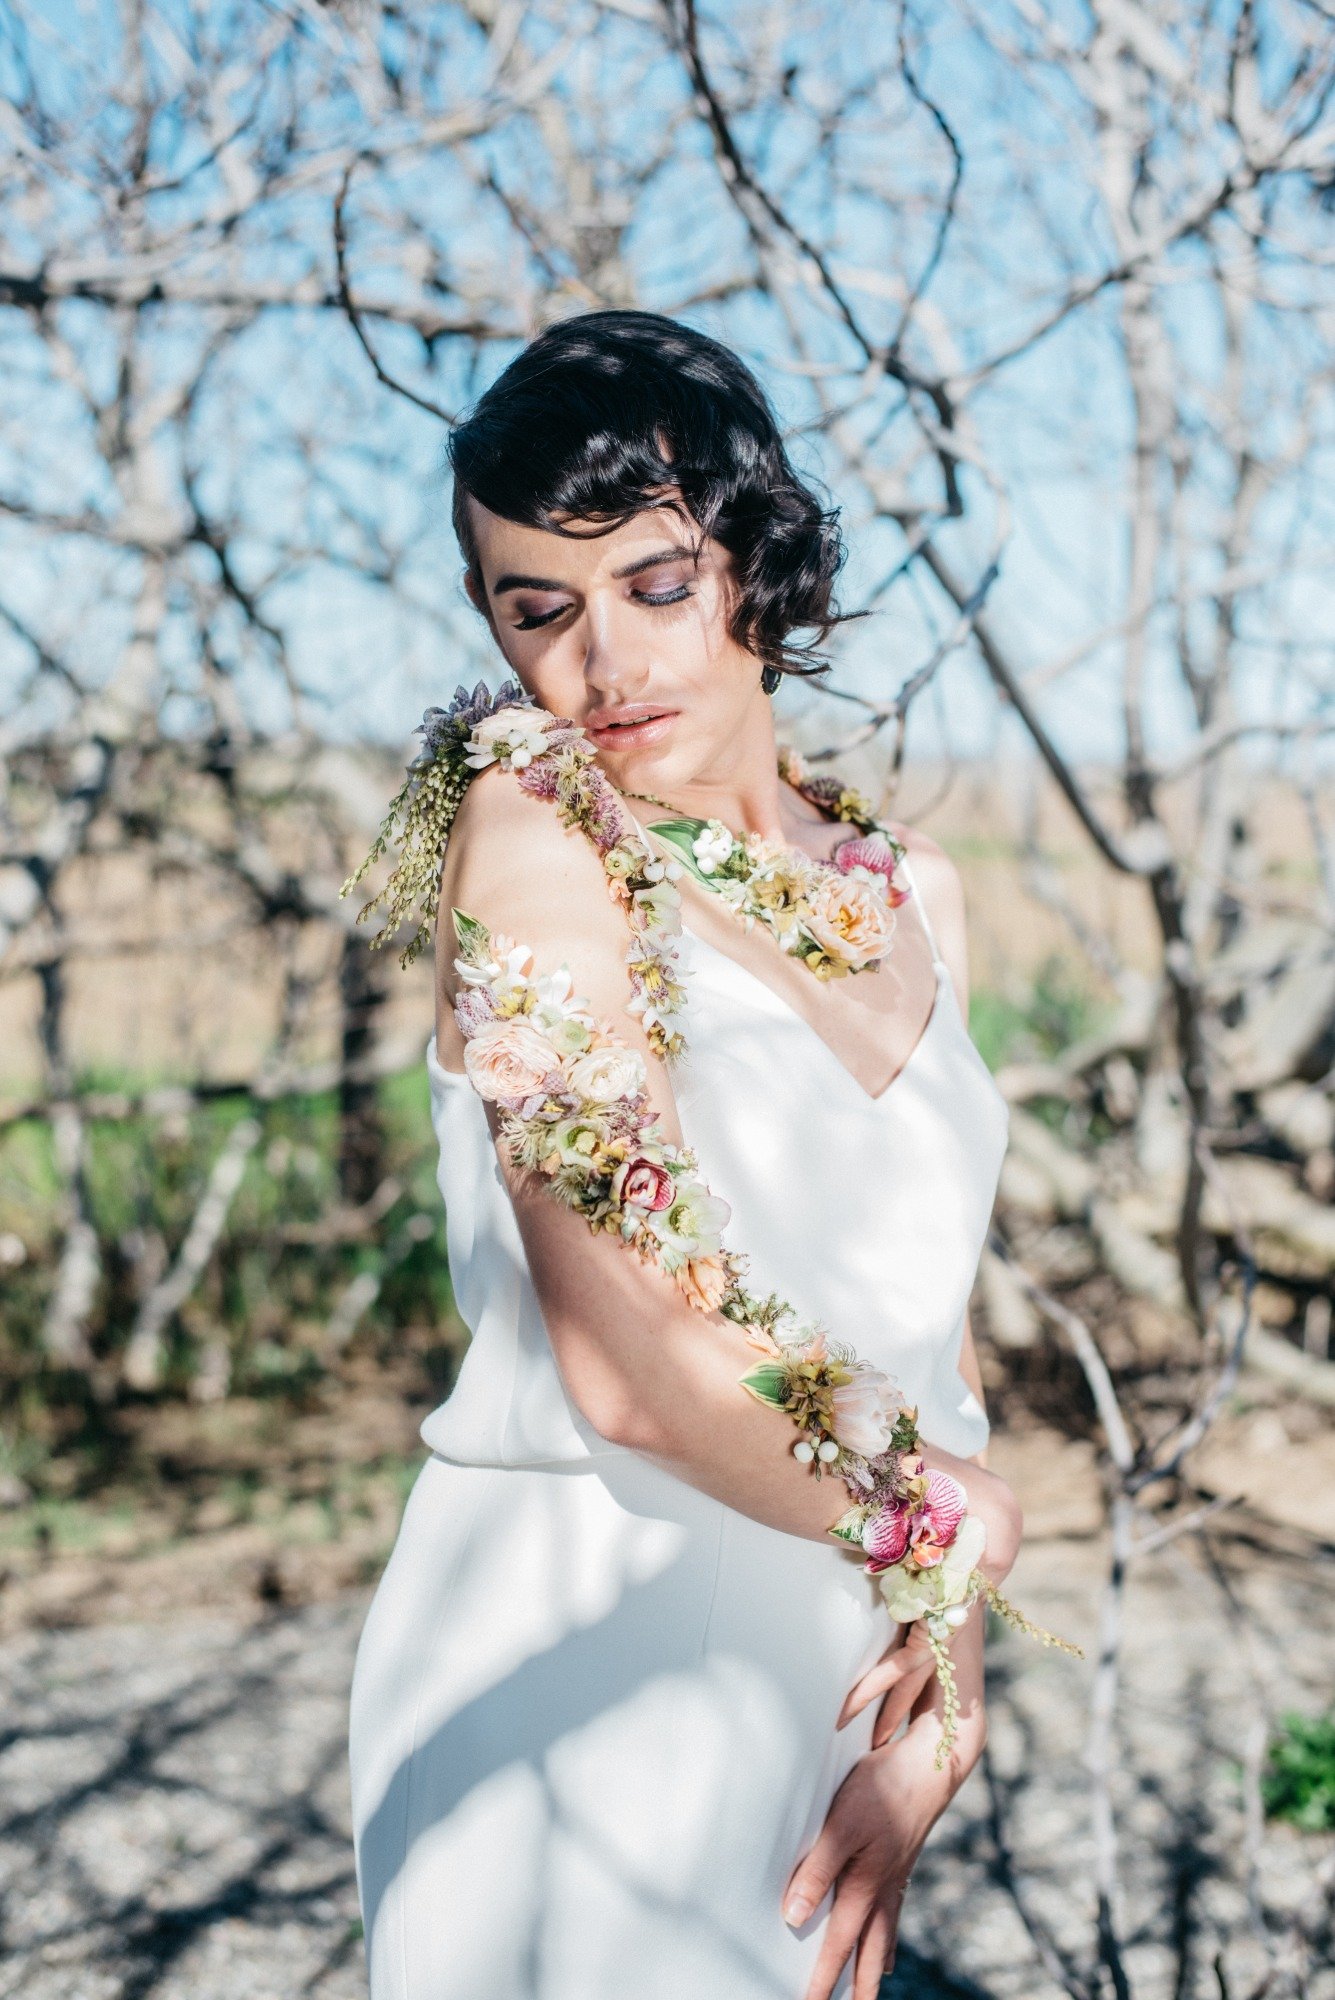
(658, 600)
(542, 618)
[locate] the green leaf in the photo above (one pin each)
(681, 834)
(768, 1383)
(849, 1526)
(474, 938)
(904, 1436)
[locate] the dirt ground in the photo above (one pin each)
(172, 1768)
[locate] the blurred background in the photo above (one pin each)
(1043, 295)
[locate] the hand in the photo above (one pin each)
(906, 1667)
(902, 1673)
(991, 1499)
(877, 1824)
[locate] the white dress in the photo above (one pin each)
(592, 1716)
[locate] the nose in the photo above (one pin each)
(617, 666)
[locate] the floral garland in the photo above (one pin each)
(572, 1106)
(837, 916)
(552, 759)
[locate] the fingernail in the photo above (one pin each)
(796, 1910)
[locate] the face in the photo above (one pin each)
(627, 634)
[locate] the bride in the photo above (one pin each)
(666, 1683)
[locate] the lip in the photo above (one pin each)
(629, 727)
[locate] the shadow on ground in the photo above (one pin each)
(174, 1816)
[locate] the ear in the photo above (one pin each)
(477, 597)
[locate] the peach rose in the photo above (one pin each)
(849, 919)
(508, 1059)
(704, 1281)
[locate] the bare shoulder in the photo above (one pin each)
(512, 863)
(514, 866)
(941, 893)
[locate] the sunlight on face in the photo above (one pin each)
(626, 634)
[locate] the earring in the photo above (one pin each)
(770, 678)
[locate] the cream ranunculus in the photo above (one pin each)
(511, 735)
(569, 1035)
(605, 1074)
(910, 1593)
(865, 1408)
(508, 1058)
(849, 919)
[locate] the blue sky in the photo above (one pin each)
(1053, 427)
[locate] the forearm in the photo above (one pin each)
(651, 1373)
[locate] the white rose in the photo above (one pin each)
(603, 1075)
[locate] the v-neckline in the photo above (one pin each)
(870, 1098)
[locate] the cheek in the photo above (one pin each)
(723, 673)
(550, 670)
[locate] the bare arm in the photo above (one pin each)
(646, 1369)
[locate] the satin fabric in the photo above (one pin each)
(592, 1715)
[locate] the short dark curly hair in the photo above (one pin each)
(604, 413)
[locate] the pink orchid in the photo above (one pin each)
(925, 1532)
(876, 853)
(643, 1184)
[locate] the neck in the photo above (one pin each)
(740, 785)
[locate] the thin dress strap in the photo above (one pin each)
(906, 871)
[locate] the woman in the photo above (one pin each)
(624, 1720)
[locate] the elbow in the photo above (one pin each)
(1004, 1522)
(620, 1421)
(609, 1404)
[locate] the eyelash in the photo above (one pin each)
(659, 604)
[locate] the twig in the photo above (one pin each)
(354, 317)
(141, 1367)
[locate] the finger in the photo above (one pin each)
(900, 1702)
(815, 1873)
(895, 1646)
(909, 1667)
(852, 1905)
(875, 1951)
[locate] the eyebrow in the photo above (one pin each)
(511, 581)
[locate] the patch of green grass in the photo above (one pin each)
(272, 1284)
(1056, 1012)
(1298, 1783)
